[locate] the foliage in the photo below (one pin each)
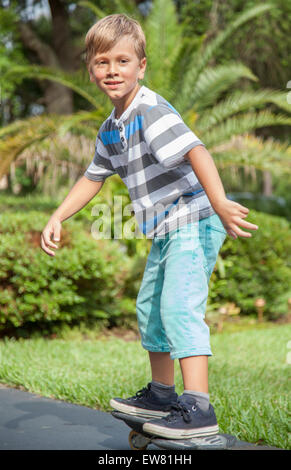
(86, 280)
(10, 53)
(259, 267)
(179, 69)
(97, 281)
(269, 48)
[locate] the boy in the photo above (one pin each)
(179, 202)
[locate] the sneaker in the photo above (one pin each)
(145, 403)
(186, 420)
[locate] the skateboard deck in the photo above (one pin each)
(139, 440)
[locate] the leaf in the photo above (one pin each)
(236, 102)
(75, 82)
(205, 53)
(211, 83)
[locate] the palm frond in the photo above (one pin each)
(181, 63)
(201, 57)
(249, 150)
(240, 124)
(75, 82)
(95, 118)
(35, 129)
(21, 135)
(211, 83)
(162, 30)
(281, 100)
(237, 102)
(13, 128)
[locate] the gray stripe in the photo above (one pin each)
(122, 171)
(154, 113)
(168, 136)
(114, 149)
(92, 177)
(135, 165)
(139, 164)
(179, 157)
(136, 138)
(102, 162)
(156, 183)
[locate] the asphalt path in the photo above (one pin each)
(32, 422)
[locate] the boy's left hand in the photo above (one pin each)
(232, 215)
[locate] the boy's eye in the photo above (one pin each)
(104, 62)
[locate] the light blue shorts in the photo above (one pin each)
(172, 300)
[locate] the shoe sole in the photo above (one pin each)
(157, 430)
(131, 410)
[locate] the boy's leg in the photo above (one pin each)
(195, 378)
(189, 261)
(162, 368)
(195, 373)
(157, 397)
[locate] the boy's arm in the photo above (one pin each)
(230, 212)
(78, 197)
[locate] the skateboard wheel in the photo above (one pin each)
(137, 441)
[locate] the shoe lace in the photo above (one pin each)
(142, 393)
(179, 409)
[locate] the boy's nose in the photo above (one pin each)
(112, 69)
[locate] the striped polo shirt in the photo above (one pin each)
(146, 148)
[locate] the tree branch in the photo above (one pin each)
(44, 52)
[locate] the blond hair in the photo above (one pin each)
(104, 34)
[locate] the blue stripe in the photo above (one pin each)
(172, 107)
(134, 126)
(157, 218)
(195, 192)
(110, 137)
(113, 137)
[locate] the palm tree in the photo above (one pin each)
(206, 96)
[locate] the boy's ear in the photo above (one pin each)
(90, 73)
(142, 66)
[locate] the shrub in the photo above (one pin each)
(97, 281)
(86, 279)
(257, 267)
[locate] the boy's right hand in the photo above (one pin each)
(51, 230)
(232, 215)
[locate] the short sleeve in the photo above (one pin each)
(100, 167)
(167, 136)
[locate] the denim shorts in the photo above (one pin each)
(172, 299)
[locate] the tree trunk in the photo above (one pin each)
(267, 178)
(57, 98)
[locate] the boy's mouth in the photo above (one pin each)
(112, 84)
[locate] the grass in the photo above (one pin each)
(248, 376)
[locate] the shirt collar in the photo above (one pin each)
(128, 110)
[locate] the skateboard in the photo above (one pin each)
(139, 440)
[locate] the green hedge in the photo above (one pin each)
(256, 267)
(86, 280)
(97, 281)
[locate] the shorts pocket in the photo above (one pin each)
(215, 235)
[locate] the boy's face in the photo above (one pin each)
(117, 71)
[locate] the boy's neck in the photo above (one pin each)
(120, 107)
